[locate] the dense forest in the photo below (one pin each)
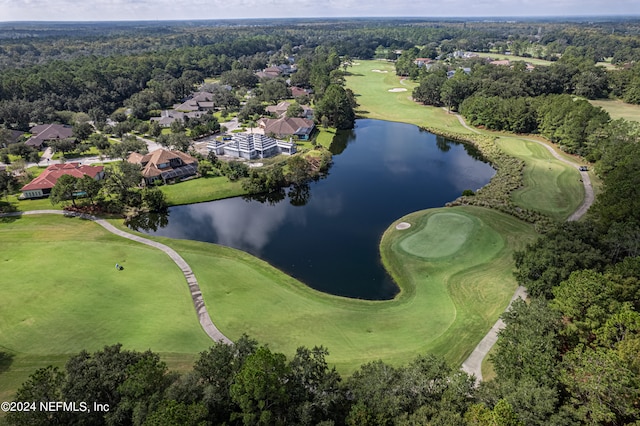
(569, 356)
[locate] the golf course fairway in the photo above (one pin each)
(451, 292)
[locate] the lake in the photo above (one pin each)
(327, 233)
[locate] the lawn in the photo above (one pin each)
(61, 293)
(202, 189)
(551, 187)
(513, 58)
(618, 109)
(371, 81)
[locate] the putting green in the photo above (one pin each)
(442, 235)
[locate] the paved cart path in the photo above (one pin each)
(473, 364)
(196, 295)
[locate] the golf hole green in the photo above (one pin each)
(443, 235)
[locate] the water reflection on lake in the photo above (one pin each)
(327, 233)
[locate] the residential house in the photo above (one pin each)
(421, 62)
(14, 137)
(251, 146)
(299, 91)
(451, 73)
(198, 101)
(281, 109)
(277, 71)
(284, 127)
(42, 185)
(44, 133)
(163, 164)
(168, 116)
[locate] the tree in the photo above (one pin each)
(122, 178)
(315, 394)
(215, 371)
(65, 189)
(63, 145)
(44, 385)
(180, 141)
(585, 300)
(172, 413)
(261, 390)
(154, 199)
(602, 388)
(154, 129)
(82, 131)
(337, 107)
(456, 89)
(299, 169)
(528, 346)
(5, 137)
(101, 377)
(550, 260)
(428, 92)
(294, 110)
(127, 146)
(100, 141)
(142, 388)
(239, 78)
(252, 108)
(8, 183)
(272, 90)
(21, 149)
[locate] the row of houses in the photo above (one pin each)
(161, 164)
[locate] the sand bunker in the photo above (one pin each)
(398, 89)
(403, 225)
(380, 71)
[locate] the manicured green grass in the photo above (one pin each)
(488, 371)
(618, 109)
(61, 293)
(551, 187)
(325, 136)
(26, 205)
(371, 88)
(445, 306)
(513, 58)
(202, 189)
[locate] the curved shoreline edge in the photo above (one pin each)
(196, 294)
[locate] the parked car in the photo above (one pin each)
(583, 168)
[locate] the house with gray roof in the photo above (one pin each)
(44, 133)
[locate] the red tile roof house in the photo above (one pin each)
(42, 185)
(164, 164)
(43, 133)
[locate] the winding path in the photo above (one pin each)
(473, 364)
(196, 295)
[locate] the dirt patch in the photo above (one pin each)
(403, 225)
(380, 71)
(398, 89)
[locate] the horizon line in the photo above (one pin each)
(316, 18)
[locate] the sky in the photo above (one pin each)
(120, 10)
